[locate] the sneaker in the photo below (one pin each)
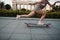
(17, 17)
(40, 23)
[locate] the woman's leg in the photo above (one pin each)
(42, 17)
(29, 15)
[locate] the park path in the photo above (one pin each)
(11, 29)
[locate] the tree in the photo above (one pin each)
(1, 5)
(55, 9)
(7, 6)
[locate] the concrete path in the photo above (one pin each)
(11, 29)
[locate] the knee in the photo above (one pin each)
(27, 16)
(44, 13)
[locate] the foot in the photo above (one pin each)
(17, 17)
(40, 23)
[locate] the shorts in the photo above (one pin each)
(37, 8)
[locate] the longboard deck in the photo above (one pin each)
(36, 25)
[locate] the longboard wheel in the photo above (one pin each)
(27, 25)
(48, 26)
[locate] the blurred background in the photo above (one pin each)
(10, 8)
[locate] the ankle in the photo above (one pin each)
(18, 15)
(40, 23)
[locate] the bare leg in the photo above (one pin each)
(42, 17)
(29, 15)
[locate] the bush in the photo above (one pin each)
(53, 15)
(13, 13)
(8, 13)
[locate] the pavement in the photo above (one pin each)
(11, 29)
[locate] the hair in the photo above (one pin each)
(46, 0)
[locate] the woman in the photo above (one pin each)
(38, 10)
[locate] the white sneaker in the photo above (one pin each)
(40, 23)
(17, 17)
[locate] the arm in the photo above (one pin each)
(53, 4)
(35, 3)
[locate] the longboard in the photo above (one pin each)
(36, 25)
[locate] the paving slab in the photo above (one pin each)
(12, 29)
